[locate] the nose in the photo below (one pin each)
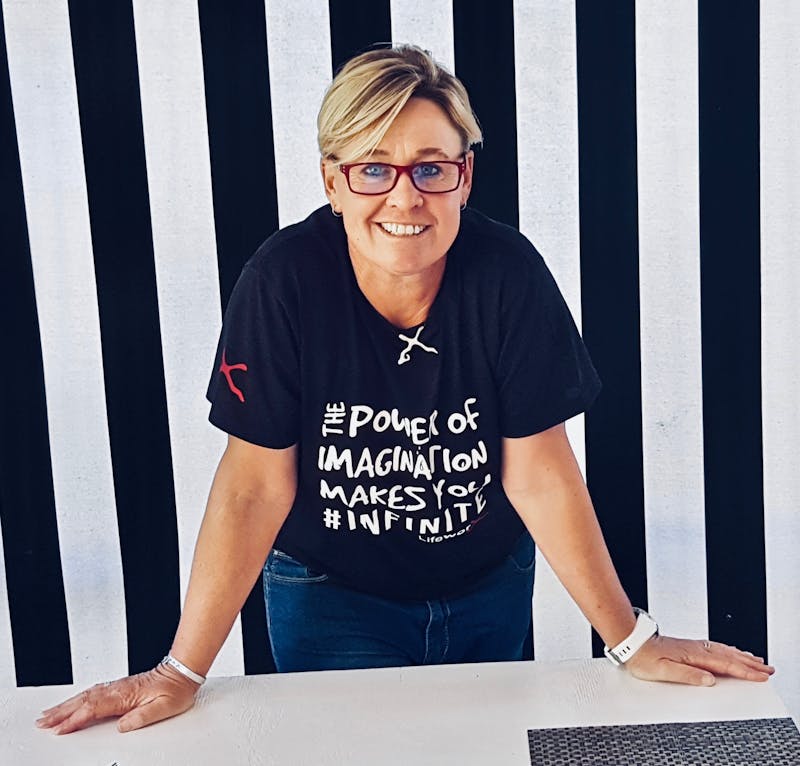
(405, 195)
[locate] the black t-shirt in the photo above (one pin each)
(399, 430)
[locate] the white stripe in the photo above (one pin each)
(8, 678)
(428, 24)
(299, 72)
(547, 150)
(669, 278)
(179, 177)
(780, 320)
(46, 109)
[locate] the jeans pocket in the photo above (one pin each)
(523, 557)
(281, 567)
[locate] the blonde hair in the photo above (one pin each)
(369, 91)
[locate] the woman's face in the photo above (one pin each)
(422, 131)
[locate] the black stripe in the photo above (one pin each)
(731, 321)
(106, 72)
(484, 54)
(484, 57)
(36, 604)
(236, 75)
(610, 280)
(236, 72)
(357, 25)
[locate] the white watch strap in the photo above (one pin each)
(645, 628)
(183, 670)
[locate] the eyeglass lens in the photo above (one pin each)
(377, 177)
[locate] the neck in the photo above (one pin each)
(404, 300)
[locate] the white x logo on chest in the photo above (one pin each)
(405, 354)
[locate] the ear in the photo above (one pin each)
(466, 183)
(329, 169)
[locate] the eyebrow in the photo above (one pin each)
(425, 152)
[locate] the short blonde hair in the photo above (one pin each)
(369, 91)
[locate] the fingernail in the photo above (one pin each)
(709, 680)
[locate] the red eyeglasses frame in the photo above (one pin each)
(400, 169)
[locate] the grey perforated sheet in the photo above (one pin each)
(758, 742)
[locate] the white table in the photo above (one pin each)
(456, 714)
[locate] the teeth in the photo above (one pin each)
(401, 229)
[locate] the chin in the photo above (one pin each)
(408, 266)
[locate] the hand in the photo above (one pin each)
(141, 699)
(697, 663)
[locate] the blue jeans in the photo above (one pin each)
(317, 624)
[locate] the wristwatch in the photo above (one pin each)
(646, 627)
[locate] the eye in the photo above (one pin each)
(428, 170)
(374, 171)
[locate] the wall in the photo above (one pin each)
(650, 152)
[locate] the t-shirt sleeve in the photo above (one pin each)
(255, 384)
(545, 374)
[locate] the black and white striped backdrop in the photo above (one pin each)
(649, 149)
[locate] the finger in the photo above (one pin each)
(69, 701)
(748, 658)
(63, 709)
(730, 661)
(737, 669)
(80, 719)
(751, 659)
(758, 665)
(94, 704)
(56, 716)
(155, 710)
(680, 673)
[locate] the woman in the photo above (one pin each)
(394, 374)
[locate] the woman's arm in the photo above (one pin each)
(543, 482)
(251, 495)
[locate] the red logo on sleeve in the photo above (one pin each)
(226, 368)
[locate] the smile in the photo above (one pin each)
(402, 229)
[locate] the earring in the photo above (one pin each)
(463, 206)
(335, 212)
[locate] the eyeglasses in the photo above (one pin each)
(436, 177)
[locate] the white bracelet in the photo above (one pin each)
(646, 627)
(183, 670)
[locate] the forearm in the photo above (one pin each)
(563, 523)
(237, 533)
(544, 484)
